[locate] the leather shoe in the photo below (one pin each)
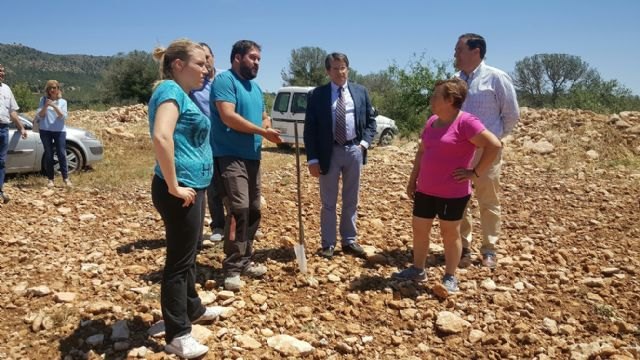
(327, 252)
(465, 258)
(354, 249)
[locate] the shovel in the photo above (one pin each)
(299, 247)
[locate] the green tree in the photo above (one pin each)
(561, 80)
(306, 67)
(129, 78)
(548, 75)
(405, 97)
(26, 99)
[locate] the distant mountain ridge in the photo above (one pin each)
(80, 74)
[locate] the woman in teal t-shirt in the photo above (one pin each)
(180, 134)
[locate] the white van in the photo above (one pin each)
(289, 110)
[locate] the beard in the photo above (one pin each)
(248, 72)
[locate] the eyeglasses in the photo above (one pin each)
(53, 88)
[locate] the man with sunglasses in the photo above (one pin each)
(8, 112)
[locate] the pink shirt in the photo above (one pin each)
(446, 149)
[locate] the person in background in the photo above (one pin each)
(440, 182)
(201, 98)
(52, 113)
(8, 112)
(492, 98)
(180, 135)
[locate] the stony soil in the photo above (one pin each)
(81, 268)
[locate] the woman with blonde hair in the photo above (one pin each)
(183, 171)
(52, 113)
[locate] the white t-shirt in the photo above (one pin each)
(8, 103)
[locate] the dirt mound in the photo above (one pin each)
(80, 266)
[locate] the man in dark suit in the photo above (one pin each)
(339, 127)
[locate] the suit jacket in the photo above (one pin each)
(318, 125)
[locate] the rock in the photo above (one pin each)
(488, 284)
(450, 323)
(440, 291)
(156, 330)
(64, 297)
(141, 290)
(289, 346)
(95, 340)
(549, 326)
(566, 329)
(258, 299)
(353, 299)
(266, 332)
(475, 336)
(120, 331)
(609, 271)
(201, 333)
(373, 255)
(592, 154)
(343, 348)
(226, 295)
(540, 147)
(41, 290)
(99, 307)
(593, 282)
(87, 217)
(247, 342)
(333, 278)
(207, 297)
(503, 299)
(139, 352)
(121, 345)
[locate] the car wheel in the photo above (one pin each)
(75, 160)
(386, 138)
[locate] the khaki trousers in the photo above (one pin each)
(487, 193)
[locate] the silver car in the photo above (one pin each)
(27, 155)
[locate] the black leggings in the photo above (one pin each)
(178, 295)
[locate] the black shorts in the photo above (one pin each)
(427, 207)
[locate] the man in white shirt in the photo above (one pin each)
(492, 98)
(8, 112)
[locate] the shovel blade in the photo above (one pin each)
(300, 257)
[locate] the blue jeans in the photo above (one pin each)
(57, 139)
(4, 148)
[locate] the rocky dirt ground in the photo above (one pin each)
(80, 268)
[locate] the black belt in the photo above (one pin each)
(349, 142)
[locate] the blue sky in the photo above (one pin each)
(372, 33)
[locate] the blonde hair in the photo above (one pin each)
(49, 85)
(178, 49)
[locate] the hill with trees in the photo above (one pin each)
(29, 69)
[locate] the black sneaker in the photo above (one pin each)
(5, 198)
(354, 249)
(327, 252)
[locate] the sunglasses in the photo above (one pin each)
(53, 88)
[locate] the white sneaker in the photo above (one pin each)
(50, 183)
(186, 347)
(218, 234)
(68, 183)
(211, 313)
